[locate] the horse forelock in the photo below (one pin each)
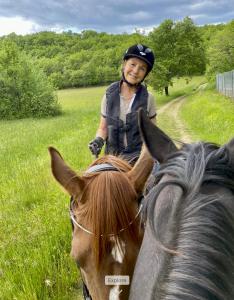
(201, 224)
(109, 203)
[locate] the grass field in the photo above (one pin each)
(35, 228)
(178, 89)
(209, 116)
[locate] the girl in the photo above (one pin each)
(118, 126)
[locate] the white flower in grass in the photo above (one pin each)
(48, 282)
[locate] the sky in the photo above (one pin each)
(112, 16)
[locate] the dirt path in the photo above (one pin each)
(172, 109)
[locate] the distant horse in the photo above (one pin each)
(187, 251)
(107, 231)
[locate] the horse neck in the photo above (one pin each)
(199, 229)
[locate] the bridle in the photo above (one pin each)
(73, 219)
(100, 168)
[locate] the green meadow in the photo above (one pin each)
(179, 88)
(209, 116)
(35, 230)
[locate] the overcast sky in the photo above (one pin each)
(113, 16)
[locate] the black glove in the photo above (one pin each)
(95, 146)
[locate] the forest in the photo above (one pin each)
(70, 60)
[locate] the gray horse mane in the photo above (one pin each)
(199, 263)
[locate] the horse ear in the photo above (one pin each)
(141, 170)
(71, 182)
(157, 142)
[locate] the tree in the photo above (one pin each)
(221, 51)
(24, 89)
(163, 40)
(189, 49)
(179, 52)
(207, 32)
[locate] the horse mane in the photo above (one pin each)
(107, 203)
(202, 238)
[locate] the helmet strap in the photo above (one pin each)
(129, 83)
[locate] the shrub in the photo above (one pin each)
(24, 89)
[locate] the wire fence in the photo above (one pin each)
(225, 83)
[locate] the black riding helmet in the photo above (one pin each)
(142, 52)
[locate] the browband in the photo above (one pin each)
(101, 167)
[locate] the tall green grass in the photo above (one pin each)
(34, 223)
(209, 116)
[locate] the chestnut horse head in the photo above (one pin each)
(107, 231)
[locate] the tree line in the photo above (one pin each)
(90, 58)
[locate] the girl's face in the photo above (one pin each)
(134, 70)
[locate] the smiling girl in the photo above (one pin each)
(118, 126)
